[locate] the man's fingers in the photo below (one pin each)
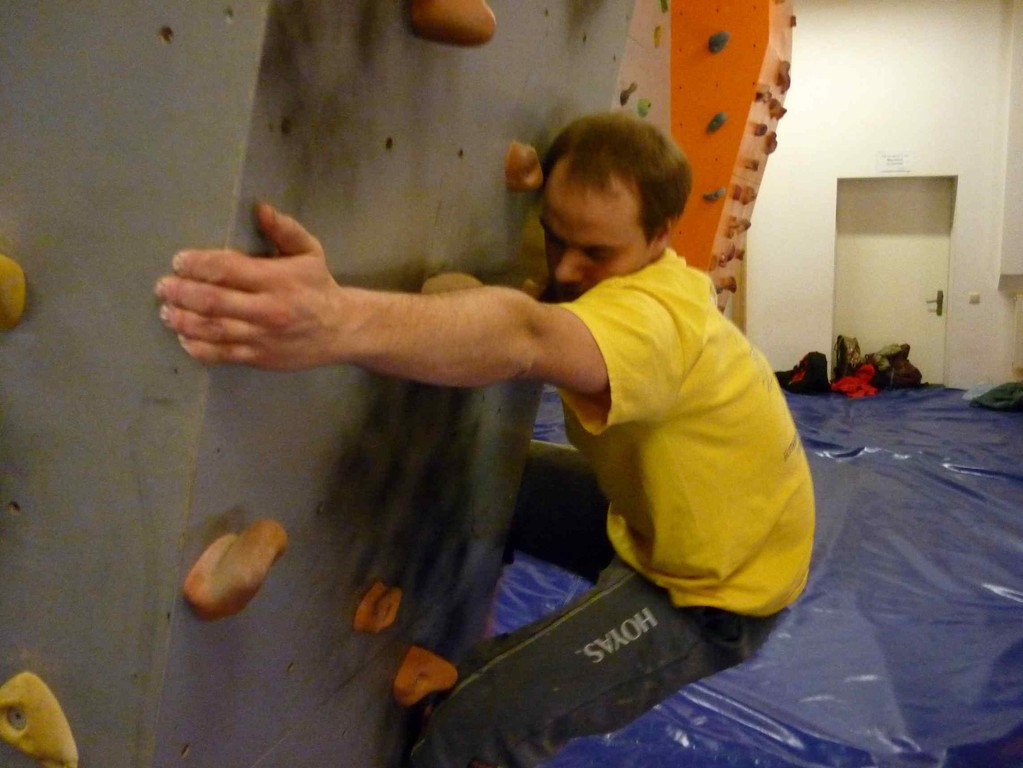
(212, 354)
(227, 268)
(212, 301)
(290, 237)
(216, 330)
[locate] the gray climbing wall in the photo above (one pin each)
(132, 129)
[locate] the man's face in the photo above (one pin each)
(592, 234)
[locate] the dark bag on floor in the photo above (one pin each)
(807, 378)
(894, 371)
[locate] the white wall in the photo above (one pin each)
(928, 77)
(1012, 235)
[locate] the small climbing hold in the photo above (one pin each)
(763, 92)
(747, 195)
(231, 570)
(522, 170)
(32, 721)
(737, 226)
(751, 164)
(658, 32)
(449, 281)
(665, 6)
(455, 22)
(792, 21)
(12, 293)
(726, 284)
(378, 608)
(771, 143)
(775, 109)
(760, 129)
(420, 674)
(784, 76)
(718, 41)
(623, 97)
(643, 107)
(717, 121)
(717, 194)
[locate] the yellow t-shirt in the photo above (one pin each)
(711, 495)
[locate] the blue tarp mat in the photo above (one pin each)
(906, 648)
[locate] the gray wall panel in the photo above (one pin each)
(126, 458)
(103, 178)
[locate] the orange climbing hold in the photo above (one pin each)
(455, 22)
(378, 608)
(522, 171)
(233, 568)
(726, 284)
(420, 674)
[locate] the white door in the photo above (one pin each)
(893, 244)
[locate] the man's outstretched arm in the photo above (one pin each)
(288, 313)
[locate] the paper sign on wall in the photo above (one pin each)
(893, 162)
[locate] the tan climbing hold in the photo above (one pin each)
(378, 608)
(32, 721)
(12, 293)
(522, 170)
(420, 674)
(232, 569)
(455, 22)
(449, 281)
(533, 288)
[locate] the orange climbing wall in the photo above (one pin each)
(742, 81)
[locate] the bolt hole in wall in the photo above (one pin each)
(892, 248)
(166, 34)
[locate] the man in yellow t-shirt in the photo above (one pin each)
(678, 420)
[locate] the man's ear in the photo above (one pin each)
(662, 239)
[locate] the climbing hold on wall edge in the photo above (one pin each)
(12, 293)
(32, 721)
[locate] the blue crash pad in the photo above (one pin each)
(906, 648)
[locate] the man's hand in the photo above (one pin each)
(288, 313)
(279, 313)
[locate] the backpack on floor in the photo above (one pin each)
(894, 371)
(808, 377)
(847, 357)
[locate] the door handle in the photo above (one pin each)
(938, 302)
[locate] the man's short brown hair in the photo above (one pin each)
(614, 144)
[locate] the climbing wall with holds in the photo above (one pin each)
(226, 566)
(730, 71)
(644, 80)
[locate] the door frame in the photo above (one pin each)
(954, 178)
